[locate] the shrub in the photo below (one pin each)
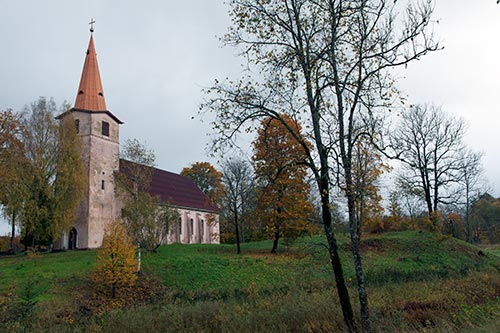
(116, 261)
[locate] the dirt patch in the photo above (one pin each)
(147, 290)
(369, 244)
(424, 313)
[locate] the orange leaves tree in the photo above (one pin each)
(208, 179)
(283, 204)
(116, 268)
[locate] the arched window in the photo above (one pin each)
(77, 125)
(180, 226)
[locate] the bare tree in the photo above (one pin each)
(410, 198)
(238, 191)
(325, 64)
(429, 142)
(471, 183)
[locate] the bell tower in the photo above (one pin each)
(98, 129)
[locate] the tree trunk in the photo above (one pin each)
(335, 261)
(237, 231)
(427, 193)
(358, 266)
(323, 181)
(468, 233)
(276, 240)
(13, 235)
(138, 257)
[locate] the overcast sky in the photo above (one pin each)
(155, 56)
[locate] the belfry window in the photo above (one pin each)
(77, 125)
(105, 128)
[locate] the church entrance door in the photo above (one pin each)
(72, 239)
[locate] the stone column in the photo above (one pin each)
(178, 229)
(207, 231)
(185, 228)
(191, 228)
(196, 230)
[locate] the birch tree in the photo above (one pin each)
(327, 65)
(50, 183)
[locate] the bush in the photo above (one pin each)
(116, 268)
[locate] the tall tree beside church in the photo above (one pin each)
(12, 166)
(40, 141)
(10, 144)
(327, 63)
(146, 218)
(54, 178)
(208, 179)
(70, 181)
(283, 193)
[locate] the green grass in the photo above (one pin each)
(389, 258)
(416, 281)
(494, 250)
(216, 267)
(53, 272)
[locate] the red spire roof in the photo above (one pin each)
(90, 93)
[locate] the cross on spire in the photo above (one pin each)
(91, 25)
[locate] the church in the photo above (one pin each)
(98, 129)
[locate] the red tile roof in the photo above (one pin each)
(177, 190)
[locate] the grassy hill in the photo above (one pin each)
(416, 281)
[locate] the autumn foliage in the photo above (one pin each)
(283, 205)
(116, 269)
(208, 179)
(367, 168)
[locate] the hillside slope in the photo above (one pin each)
(415, 280)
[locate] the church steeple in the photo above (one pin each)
(90, 94)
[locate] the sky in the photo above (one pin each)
(155, 57)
